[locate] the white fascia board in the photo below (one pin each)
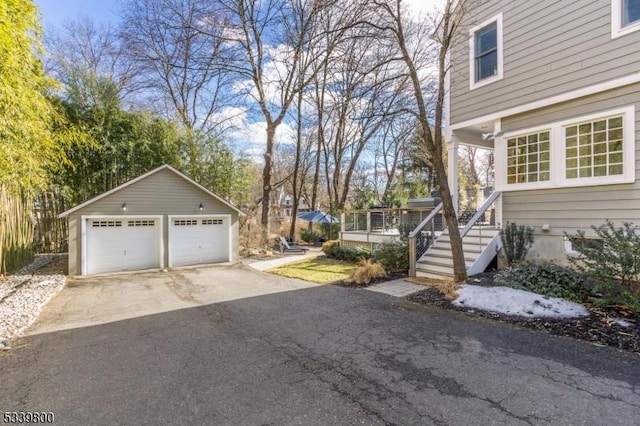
(567, 96)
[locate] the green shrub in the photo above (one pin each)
(392, 255)
(548, 280)
(333, 250)
(308, 235)
(328, 247)
(516, 242)
(617, 258)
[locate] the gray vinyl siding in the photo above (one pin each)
(550, 47)
(163, 193)
(571, 209)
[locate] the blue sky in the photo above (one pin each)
(55, 12)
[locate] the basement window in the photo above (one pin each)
(573, 244)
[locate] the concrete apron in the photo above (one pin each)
(98, 300)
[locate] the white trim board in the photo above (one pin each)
(473, 84)
(139, 178)
(585, 91)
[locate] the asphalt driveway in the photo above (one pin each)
(103, 299)
(318, 355)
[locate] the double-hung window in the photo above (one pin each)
(625, 17)
(598, 149)
(485, 54)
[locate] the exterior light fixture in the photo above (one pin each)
(200, 207)
(124, 207)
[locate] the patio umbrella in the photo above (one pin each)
(319, 216)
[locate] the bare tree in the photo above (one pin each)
(277, 38)
(366, 93)
(412, 39)
(180, 45)
(81, 52)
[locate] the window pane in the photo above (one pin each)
(511, 143)
(599, 125)
(600, 148)
(615, 134)
(571, 131)
(615, 169)
(572, 174)
(572, 153)
(585, 128)
(600, 137)
(585, 172)
(572, 164)
(487, 66)
(571, 142)
(630, 12)
(585, 139)
(487, 39)
(615, 158)
(615, 122)
(544, 176)
(544, 136)
(615, 146)
(544, 146)
(600, 171)
(600, 159)
(533, 177)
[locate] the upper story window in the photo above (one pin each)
(485, 53)
(625, 17)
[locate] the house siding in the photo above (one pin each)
(163, 193)
(550, 48)
(571, 209)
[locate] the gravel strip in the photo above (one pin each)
(22, 297)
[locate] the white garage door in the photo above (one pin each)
(197, 240)
(122, 244)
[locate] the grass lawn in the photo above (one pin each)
(318, 270)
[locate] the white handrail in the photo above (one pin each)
(492, 198)
(426, 220)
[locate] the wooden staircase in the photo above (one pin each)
(480, 246)
(430, 250)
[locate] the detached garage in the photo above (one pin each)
(160, 219)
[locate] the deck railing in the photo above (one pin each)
(423, 237)
(384, 221)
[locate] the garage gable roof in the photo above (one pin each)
(141, 177)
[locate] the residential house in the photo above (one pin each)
(554, 89)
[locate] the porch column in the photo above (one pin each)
(452, 169)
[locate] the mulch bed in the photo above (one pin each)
(599, 328)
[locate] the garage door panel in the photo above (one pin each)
(122, 244)
(199, 240)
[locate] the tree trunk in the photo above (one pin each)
(266, 184)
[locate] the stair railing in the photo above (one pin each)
(421, 238)
(480, 213)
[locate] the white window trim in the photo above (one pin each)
(617, 30)
(557, 153)
(472, 57)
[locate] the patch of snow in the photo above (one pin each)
(621, 322)
(510, 301)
